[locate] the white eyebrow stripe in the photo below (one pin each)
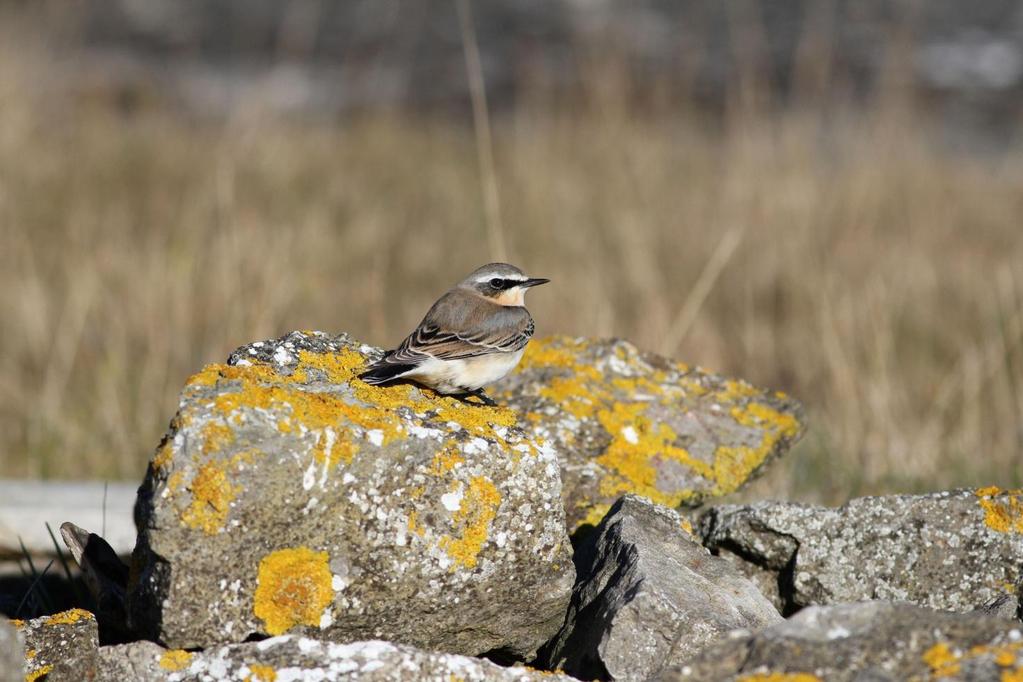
(487, 278)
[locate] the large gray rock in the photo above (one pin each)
(624, 421)
(12, 654)
(290, 657)
(288, 496)
(649, 596)
(951, 550)
(876, 641)
(62, 647)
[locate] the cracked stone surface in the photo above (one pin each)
(295, 658)
(288, 496)
(649, 596)
(625, 421)
(62, 647)
(876, 641)
(956, 550)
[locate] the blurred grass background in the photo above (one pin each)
(831, 246)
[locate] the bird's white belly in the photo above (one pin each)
(459, 376)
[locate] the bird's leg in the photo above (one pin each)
(484, 398)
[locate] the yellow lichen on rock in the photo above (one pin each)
(37, 674)
(1003, 509)
(636, 443)
(216, 436)
(477, 510)
(942, 660)
(293, 588)
(68, 617)
(175, 660)
(675, 434)
(261, 673)
(327, 415)
(212, 494)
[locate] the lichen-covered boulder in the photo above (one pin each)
(289, 496)
(291, 657)
(950, 550)
(648, 596)
(877, 641)
(12, 654)
(624, 421)
(62, 647)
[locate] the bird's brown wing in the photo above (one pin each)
(463, 325)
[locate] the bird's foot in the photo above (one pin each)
(478, 393)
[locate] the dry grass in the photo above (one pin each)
(863, 269)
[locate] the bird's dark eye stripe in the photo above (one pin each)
(498, 283)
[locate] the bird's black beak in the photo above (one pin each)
(535, 281)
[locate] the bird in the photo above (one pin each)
(472, 336)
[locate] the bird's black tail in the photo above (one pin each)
(383, 371)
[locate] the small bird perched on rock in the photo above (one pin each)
(472, 336)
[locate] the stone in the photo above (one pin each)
(62, 647)
(648, 595)
(876, 640)
(955, 550)
(106, 578)
(289, 496)
(292, 657)
(624, 421)
(12, 653)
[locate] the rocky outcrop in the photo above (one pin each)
(62, 647)
(292, 657)
(952, 550)
(649, 595)
(879, 641)
(624, 421)
(290, 497)
(12, 654)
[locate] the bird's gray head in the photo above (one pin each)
(500, 282)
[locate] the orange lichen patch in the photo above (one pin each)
(298, 408)
(1003, 509)
(68, 617)
(446, 459)
(163, 454)
(945, 661)
(212, 494)
(216, 436)
(478, 509)
(174, 660)
(17, 622)
(293, 588)
(30, 654)
(36, 674)
(413, 524)
(637, 443)
(687, 525)
(942, 660)
(261, 673)
(779, 677)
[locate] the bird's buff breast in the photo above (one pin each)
(459, 376)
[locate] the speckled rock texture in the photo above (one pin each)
(875, 641)
(624, 421)
(953, 550)
(12, 653)
(62, 647)
(649, 596)
(289, 496)
(291, 658)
